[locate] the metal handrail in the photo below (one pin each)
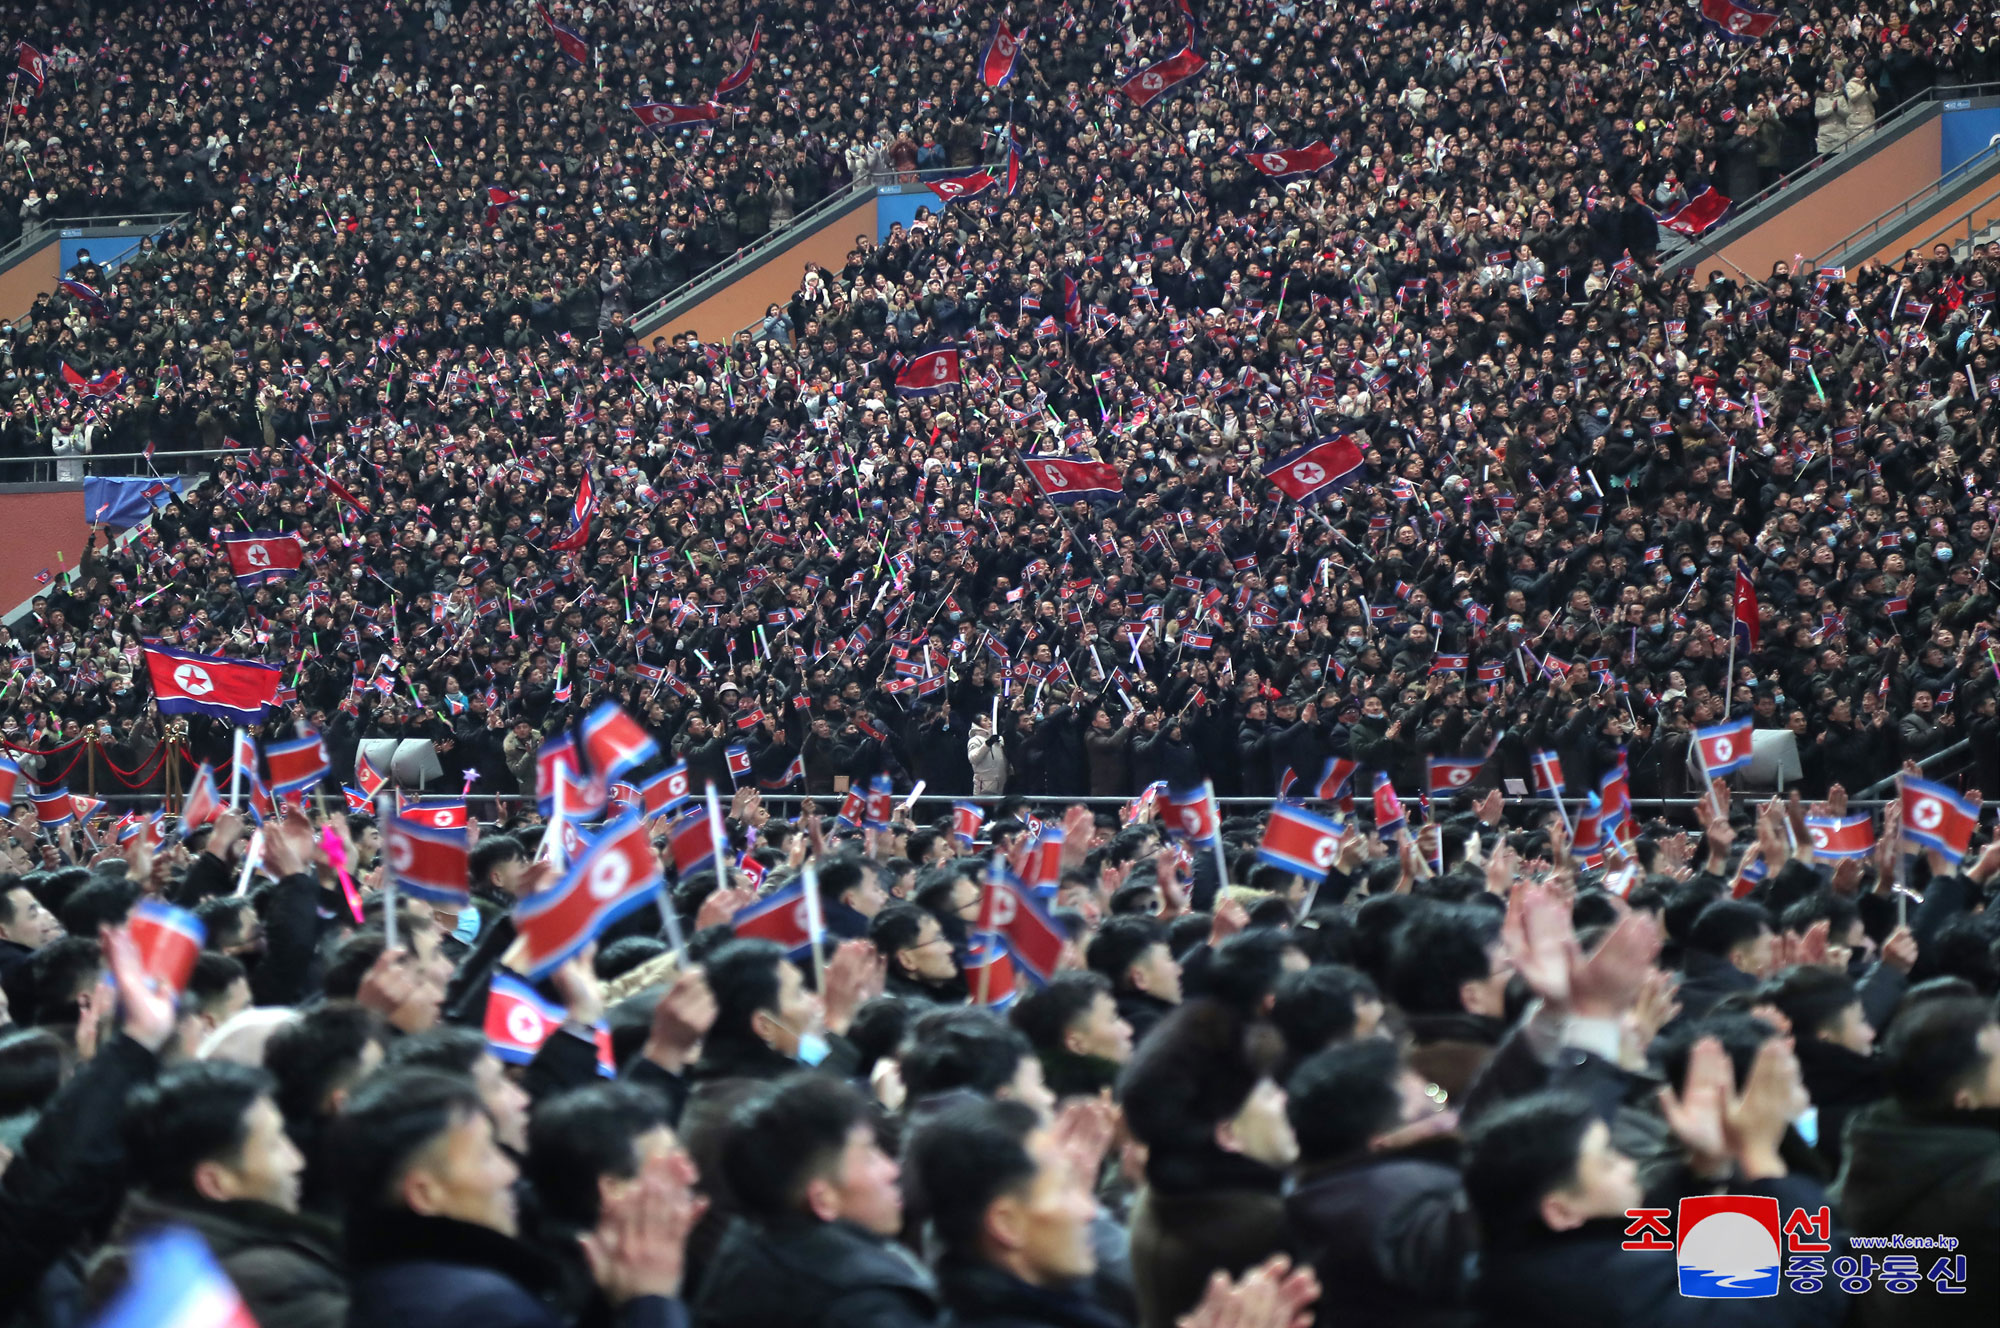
(1916, 202)
(50, 230)
(750, 255)
(1961, 745)
(131, 456)
(1965, 215)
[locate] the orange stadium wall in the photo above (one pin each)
(41, 521)
(33, 276)
(773, 281)
(1820, 214)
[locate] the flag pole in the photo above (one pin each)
(383, 811)
(236, 771)
(815, 926)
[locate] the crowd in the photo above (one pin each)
(1598, 503)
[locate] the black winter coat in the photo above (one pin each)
(1392, 1231)
(808, 1274)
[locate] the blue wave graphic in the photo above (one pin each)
(1709, 1284)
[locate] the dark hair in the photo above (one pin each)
(744, 977)
(1044, 1017)
(840, 875)
(9, 913)
(896, 928)
(1594, 907)
(1838, 913)
(625, 954)
(352, 958)
(1140, 898)
(1811, 998)
(60, 972)
(964, 1158)
(1377, 920)
(389, 1119)
(1344, 1096)
(104, 901)
(214, 974)
(1316, 1007)
(1726, 924)
(194, 1112)
(1195, 1070)
(579, 1136)
(33, 1063)
(318, 1053)
(878, 1030)
(1188, 932)
(493, 851)
(1244, 969)
(786, 1135)
(1740, 1035)
(449, 1047)
(1517, 1154)
(1120, 943)
(222, 917)
(1932, 1050)
(961, 1049)
(1437, 952)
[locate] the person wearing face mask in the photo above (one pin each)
(767, 1024)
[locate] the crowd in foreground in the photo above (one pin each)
(1461, 1083)
(1433, 1085)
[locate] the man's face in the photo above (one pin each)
(268, 1167)
(464, 1174)
(33, 925)
(1605, 1185)
(1100, 1032)
(1047, 1222)
(505, 1100)
(1261, 1130)
(868, 897)
(930, 958)
(1158, 974)
(864, 1191)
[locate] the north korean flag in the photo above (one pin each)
(960, 188)
(665, 790)
(782, 918)
(1837, 837)
(1003, 53)
(1009, 910)
(366, 776)
(1193, 812)
(556, 758)
(212, 685)
(104, 385)
(518, 1020)
(1548, 768)
(1299, 841)
(1334, 778)
(1389, 816)
(880, 804)
(853, 807)
(692, 842)
(1449, 774)
(1155, 81)
(1317, 469)
(740, 76)
(34, 66)
(297, 765)
(1448, 664)
(1697, 214)
(578, 533)
(966, 818)
(614, 742)
(53, 808)
(574, 48)
(436, 814)
(85, 295)
(169, 940)
(1937, 818)
(1737, 22)
(1724, 748)
(262, 556)
(202, 804)
(10, 779)
(738, 757)
(498, 199)
(664, 115)
(1044, 865)
(929, 373)
(616, 873)
(1289, 162)
(1067, 481)
(427, 861)
(1743, 612)
(989, 970)
(358, 803)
